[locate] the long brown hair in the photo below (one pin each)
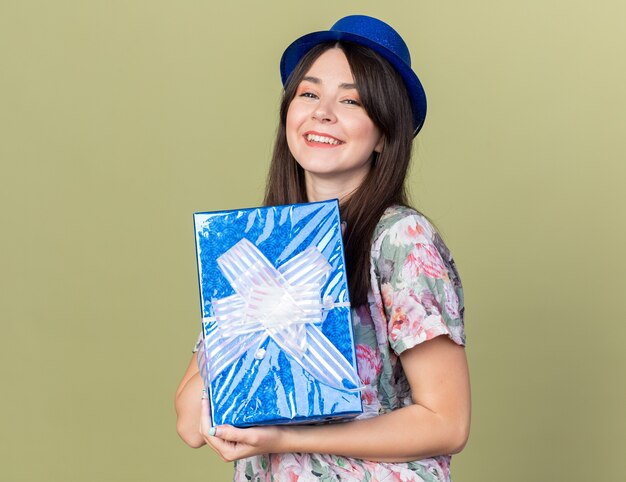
(384, 98)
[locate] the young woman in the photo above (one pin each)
(350, 110)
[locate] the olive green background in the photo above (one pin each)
(119, 119)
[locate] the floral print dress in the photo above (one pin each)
(415, 295)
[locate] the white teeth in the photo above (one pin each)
(323, 139)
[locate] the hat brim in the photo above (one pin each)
(301, 46)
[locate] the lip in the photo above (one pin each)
(321, 145)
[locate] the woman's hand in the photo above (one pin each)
(232, 443)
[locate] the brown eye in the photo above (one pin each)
(307, 94)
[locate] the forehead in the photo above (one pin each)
(331, 65)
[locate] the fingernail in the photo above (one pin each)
(212, 431)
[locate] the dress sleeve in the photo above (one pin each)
(419, 286)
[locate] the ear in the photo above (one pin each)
(379, 145)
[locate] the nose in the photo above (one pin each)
(324, 112)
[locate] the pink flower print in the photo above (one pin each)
(413, 231)
(407, 318)
(397, 324)
(409, 330)
(394, 473)
(411, 267)
(289, 465)
(429, 261)
(405, 232)
(387, 294)
(369, 366)
(411, 305)
(434, 326)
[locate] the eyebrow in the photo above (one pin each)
(317, 81)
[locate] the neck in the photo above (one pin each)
(322, 188)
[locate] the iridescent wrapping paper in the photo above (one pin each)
(278, 345)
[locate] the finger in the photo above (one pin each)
(227, 451)
(226, 432)
(229, 433)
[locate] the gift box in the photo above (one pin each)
(277, 334)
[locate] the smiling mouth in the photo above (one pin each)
(318, 139)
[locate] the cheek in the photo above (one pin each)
(370, 133)
(291, 132)
(367, 134)
(292, 122)
(360, 126)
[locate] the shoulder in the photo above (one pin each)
(406, 238)
(402, 225)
